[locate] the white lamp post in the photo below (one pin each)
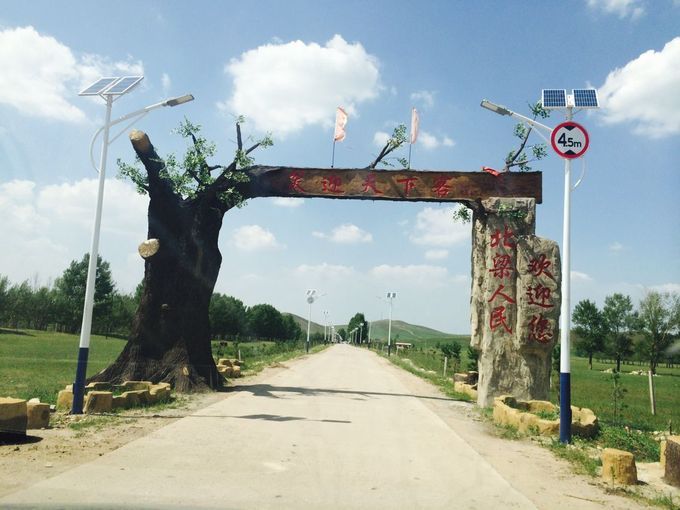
(558, 99)
(390, 297)
(110, 89)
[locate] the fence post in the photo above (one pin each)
(652, 400)
(446, 361)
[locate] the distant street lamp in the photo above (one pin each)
(311, 296)
(110, 89)
(361, 331)
(390, 297)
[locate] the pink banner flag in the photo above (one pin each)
(340, 123)
(415, 124)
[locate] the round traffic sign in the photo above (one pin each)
(570, 140)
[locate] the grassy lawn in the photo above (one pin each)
(40, 363)
(593, 389)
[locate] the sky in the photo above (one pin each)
(286, 66)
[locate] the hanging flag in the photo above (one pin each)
(415, 124)
(340, 123)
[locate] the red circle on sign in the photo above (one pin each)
(582, 146)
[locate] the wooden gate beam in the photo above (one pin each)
(399, 185)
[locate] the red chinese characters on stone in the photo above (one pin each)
(370, 184)
(409, 184)
(295, 180)
(332, 184)
(441, 187)
(497, 238)
(540, 296)
(539, 329)
(502, 266)
(498, 318)
(540, 266)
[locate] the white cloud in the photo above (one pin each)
(616, 247)
(621, 8)
(578, 276)
(425, 97)
(288, 201)
(436, 227)
(40, 75)
(645, 92)
(380, 138)
(253, 238)
(346, 234)
(285, 87)
(430, 141)
(166, 83)
(325, 270)
(666, 287)
(438, 254)
(416, 274)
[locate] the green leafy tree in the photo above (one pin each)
(4, 301)
(452, 351)
(590, 327)
(227, 316)
(265, 321)
(659, 319)
(359, 322)
(620, 321)
(70, 295)
(527, 153)
(293, 331)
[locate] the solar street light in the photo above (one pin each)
(558, 99)
(390, 297)
(311, 297)
(110, 89)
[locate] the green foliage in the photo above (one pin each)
(393, 143)
(618, 394)
(227, 316)
(619, 321)
(659, 319)
(192, 174)
(590, 327)
(358, 321)
(583, 463)
(639, 443)
(519, 157)
(472, 356)
(462, 214)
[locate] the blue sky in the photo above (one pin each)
(286, 66)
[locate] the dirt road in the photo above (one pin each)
(340, 429)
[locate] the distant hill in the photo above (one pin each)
(401, 331)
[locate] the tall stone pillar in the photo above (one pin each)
(515, 300)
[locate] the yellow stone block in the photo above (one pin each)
(136, 398)
(119, 402)
(618, 467)
(38, 415)
(136, 385)
(13, 418)
(236, 371)
(65, 400)
(98, 402)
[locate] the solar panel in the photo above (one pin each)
(97, 86)
(554, 98)
(585, 98)
(123, 85)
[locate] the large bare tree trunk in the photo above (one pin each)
(170, 337)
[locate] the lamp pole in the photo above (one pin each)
(86, 326)
(390, 297)
(565, 308)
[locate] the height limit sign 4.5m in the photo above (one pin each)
(570, 140)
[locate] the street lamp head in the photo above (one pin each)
(500, 110)
(178, 100)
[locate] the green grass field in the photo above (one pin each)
(40, 363)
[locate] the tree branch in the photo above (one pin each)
(512, 163)
(384, 152)
(239, 141)
(253, 148)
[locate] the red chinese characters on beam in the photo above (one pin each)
(370, 184)
(332, 184)
(441, 187)
(295, 181)
(409, 184)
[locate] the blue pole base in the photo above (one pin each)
(565, 407)
(79, 384)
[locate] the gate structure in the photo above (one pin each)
(516, 278)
